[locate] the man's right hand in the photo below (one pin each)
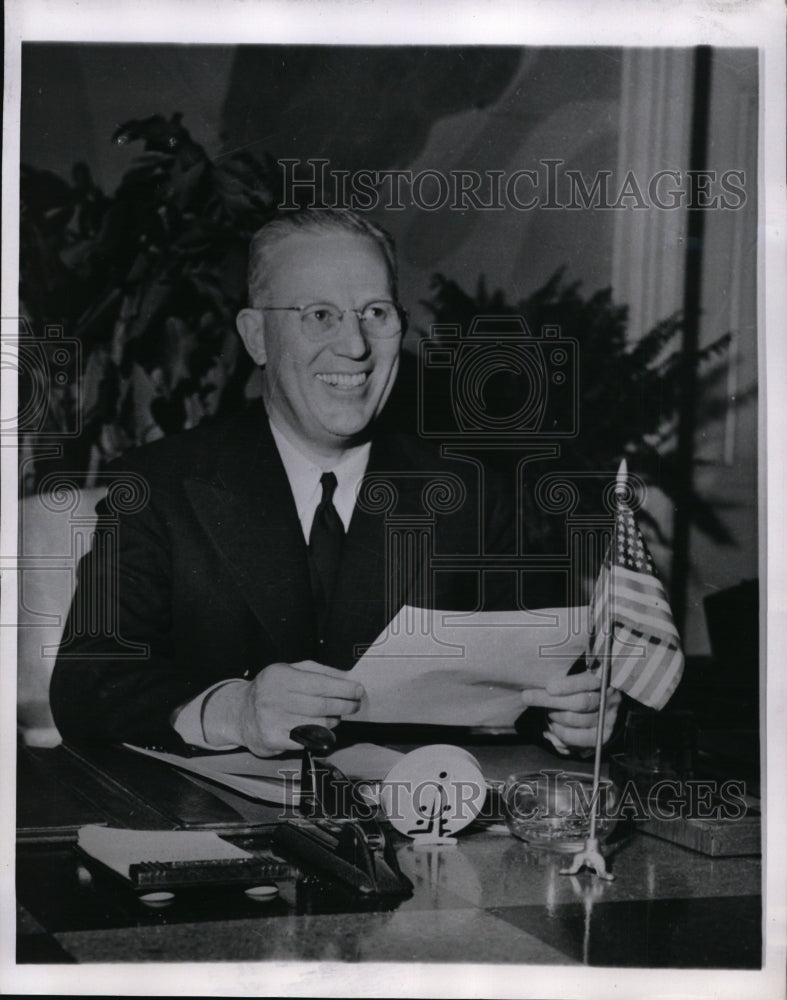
(260, 714)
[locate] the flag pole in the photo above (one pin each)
(590, 856)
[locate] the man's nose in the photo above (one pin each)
(349, 338)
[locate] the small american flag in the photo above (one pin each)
(630, 617)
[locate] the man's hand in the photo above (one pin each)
(574, 702)
(259, 714)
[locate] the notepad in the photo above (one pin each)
(155, 860)
(120, 849)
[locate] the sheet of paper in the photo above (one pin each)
(365, 761)
(468, 669)
(277, 779)
(272, 780)
(119, 849)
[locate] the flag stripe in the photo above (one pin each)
(623, 598)
(636, 579)
(624, 663)
(642, 618)
(641, 685)
(637, 616)
(654, 602)
(652, 593)
(666, 686)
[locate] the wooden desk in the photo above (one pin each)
(490, 899)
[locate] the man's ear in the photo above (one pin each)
(251, 327)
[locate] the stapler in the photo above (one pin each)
(328, 837)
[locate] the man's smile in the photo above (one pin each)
(343, 380)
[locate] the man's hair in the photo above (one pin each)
(314, 220)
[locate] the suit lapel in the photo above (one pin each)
(367, 593)
(246, 508)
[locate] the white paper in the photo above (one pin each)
(260, 778)
(119, 849)
(365, 761)
(467, 669)
(277, 779)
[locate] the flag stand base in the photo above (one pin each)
(589, 857)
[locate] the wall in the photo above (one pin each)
(74, 97)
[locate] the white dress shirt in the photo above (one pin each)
(304, 478)
(303, 475)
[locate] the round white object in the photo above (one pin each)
(433, 792)
(262, 893)
(157, 898)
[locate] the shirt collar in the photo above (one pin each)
(304, 478)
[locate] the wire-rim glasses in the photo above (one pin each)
(380, 318)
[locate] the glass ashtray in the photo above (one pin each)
(551, 809)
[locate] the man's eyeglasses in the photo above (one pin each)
(380, 318)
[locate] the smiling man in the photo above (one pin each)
(253, 572)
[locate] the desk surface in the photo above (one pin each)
(489, 899)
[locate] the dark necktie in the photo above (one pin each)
(325, 543)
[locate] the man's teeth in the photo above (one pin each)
(343, 381)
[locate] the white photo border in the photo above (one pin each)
(759, 23)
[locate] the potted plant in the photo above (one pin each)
(147, 284)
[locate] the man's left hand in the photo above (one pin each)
(573, 705)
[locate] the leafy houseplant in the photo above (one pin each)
(627, 394)
(148, 281)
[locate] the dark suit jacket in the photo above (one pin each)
(209, 579)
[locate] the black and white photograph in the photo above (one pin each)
(392, 553)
